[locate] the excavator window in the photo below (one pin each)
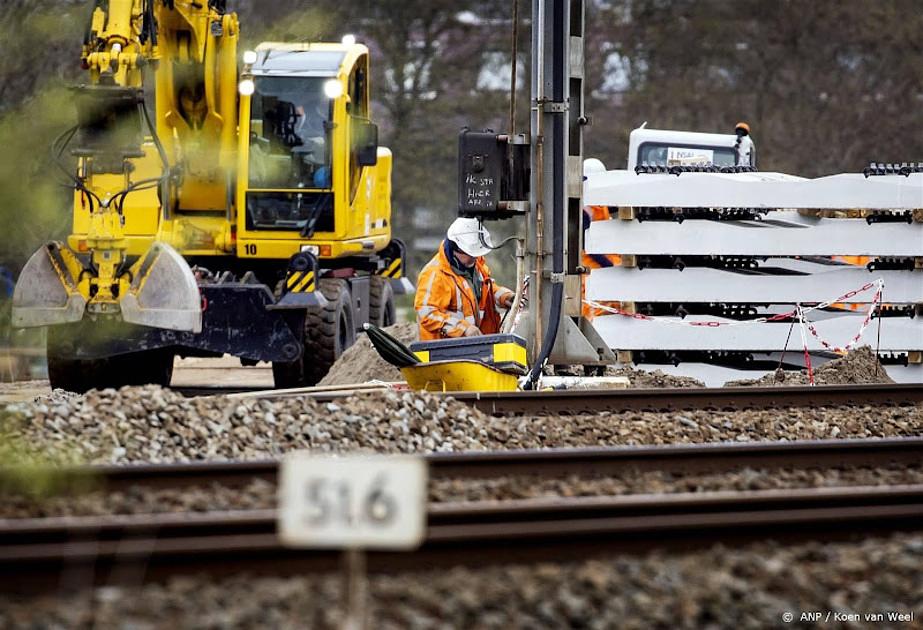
(289, 174)
(358, 112)
(290, 123)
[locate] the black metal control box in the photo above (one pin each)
(493, 175)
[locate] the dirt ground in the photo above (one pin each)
(23, 390)
(189, 372)
(362, 363)
(225, 371)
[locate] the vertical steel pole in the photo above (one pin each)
(555, 231)
(549, 148)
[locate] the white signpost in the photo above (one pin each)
(353, 503)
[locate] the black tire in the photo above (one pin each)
(154, 367)
(328, 332)
(72, 375)
(381, 302)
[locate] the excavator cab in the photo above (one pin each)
(316, 179)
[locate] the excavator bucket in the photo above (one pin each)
(46, 293)
(163, 292)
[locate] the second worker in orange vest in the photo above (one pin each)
(456, 297)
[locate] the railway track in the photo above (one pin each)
(572, 402)
(684, 458)
(36, 553)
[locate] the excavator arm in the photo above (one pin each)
(184, 150)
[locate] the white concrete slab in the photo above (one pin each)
(753, 190)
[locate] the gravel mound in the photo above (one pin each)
(137, 424)
(361, 363)
(642, 379)
(859, 366)
(750, 587)
(154, 424)
(261, 495)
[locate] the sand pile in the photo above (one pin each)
(858, 367)
(361, 362)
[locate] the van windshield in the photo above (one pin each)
(666, 154)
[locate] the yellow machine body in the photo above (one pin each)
(214, 181)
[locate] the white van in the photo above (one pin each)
(664, 147)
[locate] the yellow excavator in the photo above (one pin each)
(223, 203)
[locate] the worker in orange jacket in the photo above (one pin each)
(456, 297)
(595, 261)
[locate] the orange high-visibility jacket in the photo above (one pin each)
(596, 261)
(445, 302)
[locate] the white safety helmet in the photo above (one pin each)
(592, 165)
(470, 236)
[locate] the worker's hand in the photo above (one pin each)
(507, 300)
(473, 331)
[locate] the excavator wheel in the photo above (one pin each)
(328, 331)
(81, 375)
(150, 367)
(381, 302)
(74, 375)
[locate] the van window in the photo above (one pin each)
(673, 154)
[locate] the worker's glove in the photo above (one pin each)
(473, 331)
(507, 300)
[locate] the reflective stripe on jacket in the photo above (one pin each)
(446, 304)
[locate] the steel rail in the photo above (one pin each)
(573, 402)
(34, 552)
(679, 458)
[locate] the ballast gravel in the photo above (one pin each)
(659, 482)
(152, 424)
(756, 587)
(261, 495)
(655, 379)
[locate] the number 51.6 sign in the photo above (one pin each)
(369, 502)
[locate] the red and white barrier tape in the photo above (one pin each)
(760, 320)
(804, 344)
(876, 302)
